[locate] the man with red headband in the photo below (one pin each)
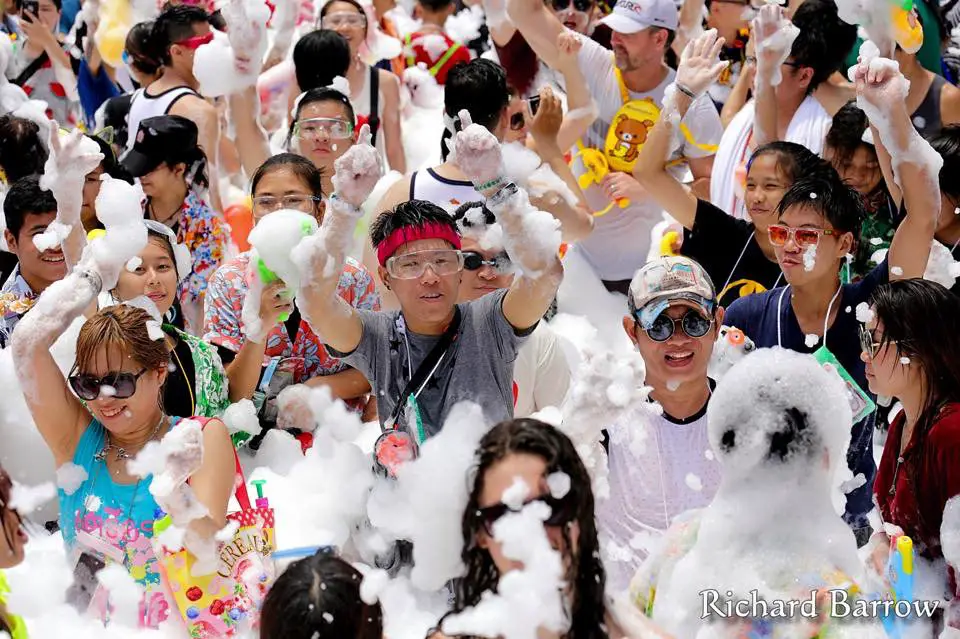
(434, 353)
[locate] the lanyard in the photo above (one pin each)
(826, 320)
(737, 263)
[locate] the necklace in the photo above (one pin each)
(121, 451)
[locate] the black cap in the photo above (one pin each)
(160, 139)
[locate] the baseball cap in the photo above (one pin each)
(631, 16)
(159, 139)
(670, 279)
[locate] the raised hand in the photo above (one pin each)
(568, 49)
(700, 65)
(477, 152)
(71, 158)
(357, 171)
(546, 123)
(774, 35)
(880, 83)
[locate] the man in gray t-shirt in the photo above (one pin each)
(478, 365)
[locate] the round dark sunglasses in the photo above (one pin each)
(118, 385)
(473, 261)
(693, 324)
(562, 512)
(580, 5)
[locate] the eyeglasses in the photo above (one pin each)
(803, 237)
(693, 324)
(195, 42)
(517, 121)
(473, 261)
(268, 204)
(414, 265)
(584, 6)
(562, 512)
(867, 345)
(343, 19)
(333, 128)
(117, 385)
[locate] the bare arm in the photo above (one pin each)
(539, 27)
(950, 105)
(691, 23)
(348, 384)
(774, 38)
(57, 413)
(740, 94)
(243, 372)
(252, 143)
(213, 482)
(581, 109)
(399, 192)
(207, 120)
(390, 87)
(886, 167)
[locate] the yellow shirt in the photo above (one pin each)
(18, 628)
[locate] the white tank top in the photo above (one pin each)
(444, 192)
(361, 107)
(146, 106)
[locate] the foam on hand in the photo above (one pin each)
(216, 64)
(777, 44)
(274, 238)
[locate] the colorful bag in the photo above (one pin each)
(629, 129)
(227, 601)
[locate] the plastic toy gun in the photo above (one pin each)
(268, 277)
(900, 574)
(906, 28)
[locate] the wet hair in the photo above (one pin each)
(793, 160)
(410, 214)
(319, 57)
(195, 160)
(480, 87)
(24, 198)
(586, 573)
(140, 47)
(846, 134)
(173, 25)
(827, 195)
(356, 5)
(111, 165)
(300, 166)
(319, 597)
(908, 310)
(120, 329)
(946, 142)
(21, 151)
(322, 94)
(824, 39)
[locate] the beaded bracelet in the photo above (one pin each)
(489, 185)
(684, 90)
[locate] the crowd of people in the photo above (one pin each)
(390, 211)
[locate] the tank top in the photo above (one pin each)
(927, 118)
(444, 192)
(145, 106)
(362, 106)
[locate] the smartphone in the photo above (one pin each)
(31, 7)
(85, 583)
(534, 104)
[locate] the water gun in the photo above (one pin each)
(279, 224)
(900, 574)
(907, 30)
(597, 168)
(666, 243)
(262, 502)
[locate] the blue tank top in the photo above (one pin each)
(121, 515)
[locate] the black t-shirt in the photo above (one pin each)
(181, 382)
(725, 248)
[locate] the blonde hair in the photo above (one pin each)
(123, 328)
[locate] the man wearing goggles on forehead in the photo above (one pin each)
(673, 320)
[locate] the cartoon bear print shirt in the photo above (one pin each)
(620, 240)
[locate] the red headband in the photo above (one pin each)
(429, 231)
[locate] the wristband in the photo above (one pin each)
(92, 276)
(489, 185)
(498, 198)
(340, 204)
(684, 90)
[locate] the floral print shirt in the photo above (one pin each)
(209, 378)
(224, 304)
(16, 298)
(204, 232)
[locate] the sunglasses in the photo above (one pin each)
(414, 265)
(562, 512)
(196, 42)
(693, 324)
(580, 5)
(116, 385)
(780, 234)
(473, 261)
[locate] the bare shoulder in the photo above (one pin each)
(193, 107)
(950, 104)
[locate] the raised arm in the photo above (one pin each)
(252, 143)
(207, 120)
(531, 237)
(882, 93)
(774, 35)
(390, 86)
(539, 27)
(320, 257)
(698, 70)
(582, 110)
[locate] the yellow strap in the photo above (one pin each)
(688, 136)
(624, 91)
(411, 58)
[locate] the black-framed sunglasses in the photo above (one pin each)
(119, 385)
(473, 261)
(562, 512)
(584, 6)
(693, 324)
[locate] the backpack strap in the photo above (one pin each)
(445, 58)
(408, 46)
(31, 69)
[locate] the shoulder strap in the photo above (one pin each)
(426, 366)
(31, 69)
(408, 45)
(445, 58)
(374, 119)
(624, 91)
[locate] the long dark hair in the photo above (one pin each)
(306, 172)
(586, 574)
(908, 310)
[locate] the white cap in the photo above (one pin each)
(631, 16)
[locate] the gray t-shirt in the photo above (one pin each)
(478, 365)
